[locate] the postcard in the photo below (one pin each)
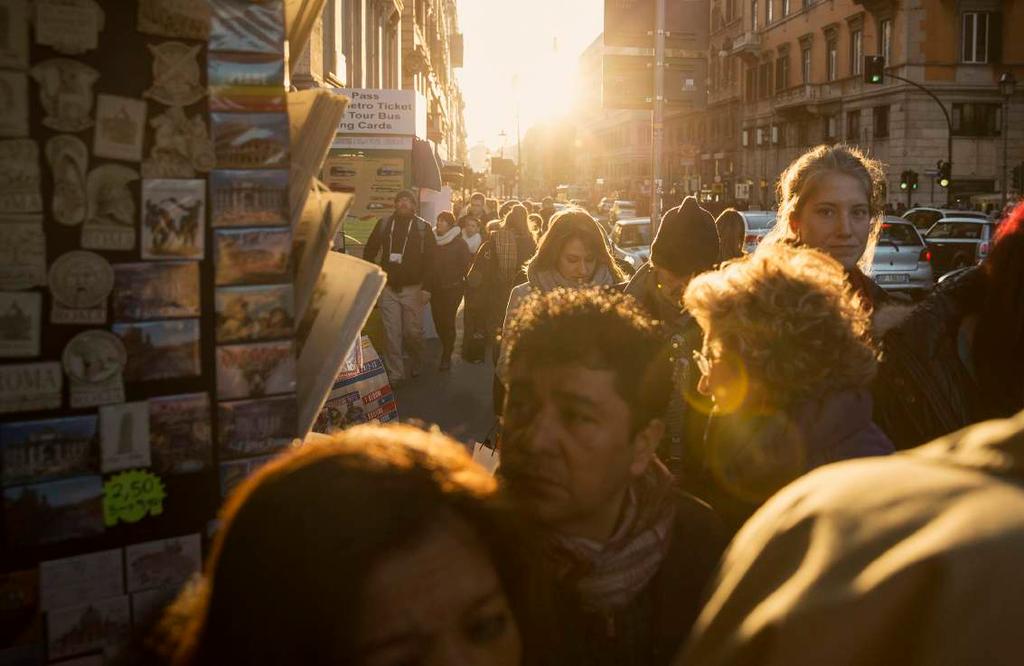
(20, 323)
(256, 370)
(246, 314)
(20, 617)
(22, 252)
(161, 349)
(247, 27)
(54, 511)
(124, 436)
(164, 562)
(179, 433)
(27, 387)
(314, 234)
(249, 198)
(172, 218)
(36, 451)
(250, 140)
(104, 625)
(234, 472)
(246, 82)
(77, 580)
(120, 128)
(256, 427)
(252, 256)
(156, 290)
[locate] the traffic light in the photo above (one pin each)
(874, 69)
(912, 179)
(945, 170)
(905, 180)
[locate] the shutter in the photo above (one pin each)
(995, 37)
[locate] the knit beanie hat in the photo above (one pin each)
(687, 241)
(406, 194)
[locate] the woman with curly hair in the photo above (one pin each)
(832, 198)
(787, 360)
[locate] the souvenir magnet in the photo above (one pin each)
(120, 125)
(57, 511)
(13, 103)
(255, 370)
(20, 323)
(65, 92)
(22, 252)
(34, 451)
(256, 427)
(249, 198)
(156, 290)
(181, 146)
(19, 177)
(14, 34)
(250, 140)
(161, 349)
(172, 219)
(124, 436)
(94, 361)
(68, 26)
(69, 160)
(252, 256)
(175, 74)
(189, 19)
(179, 433)
(80, 282)
(255, 313)
(27, 387)
(110, 224)
(67, 636)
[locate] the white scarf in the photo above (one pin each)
(545, 281)
(448, 236)
(473, 242)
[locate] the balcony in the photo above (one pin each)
(797, 99)
(725, 94)
(747, 45)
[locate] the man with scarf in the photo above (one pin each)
(630, 554)
(687, 244)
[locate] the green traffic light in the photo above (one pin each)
(944, 182)
(876, 78)
(903, 186)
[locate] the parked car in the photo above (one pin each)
(923, 217)
(631, 243)
(958, 242)
(902, 260)
(759, 223)
(622, 210)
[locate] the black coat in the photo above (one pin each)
(451, 262)
(417, 261)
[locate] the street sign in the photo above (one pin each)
(686, 81)
(628, 82)
(630, 23)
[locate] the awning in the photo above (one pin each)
(426, 172)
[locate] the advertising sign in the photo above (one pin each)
(373, 177)
(382, 112)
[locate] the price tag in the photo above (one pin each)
(131, 496)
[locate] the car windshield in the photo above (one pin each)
(899, 234)
(635, 235)
(759, 220)
(958, 230)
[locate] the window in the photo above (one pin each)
(745, 138)
(881, 122)
(977, 119)
(750, 83)
(776, 134)
(856, 52)
(853, 126)
(769, 11)
(832, 59)
(785, 8)
(760, 135)
(831, 128)
(730, 10)
(782, 72)
(753, 15)
(805, 65)
(975, 37)
(764, 83)
(885, 40)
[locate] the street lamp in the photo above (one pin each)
(1007, 86)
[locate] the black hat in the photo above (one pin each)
(406, 194)
(687, 241)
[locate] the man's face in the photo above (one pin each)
(476, 208)
(670, 287)
(405, 207)
(568, 448)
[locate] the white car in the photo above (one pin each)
(631, 243)
(923, 217)
(622, 210)
(759, 223)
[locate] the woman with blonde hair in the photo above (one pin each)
(787, 360)
(832, 199)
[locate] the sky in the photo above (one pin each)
(534, 43)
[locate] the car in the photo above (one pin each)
(605, 206)
(902, 262)
(923, 217)
(622, 210)
(759, 223)
(959, 242)
(631, 243)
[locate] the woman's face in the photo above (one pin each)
(438, 602)
(471, 228)
(835, 217)
(442, 224)
(575, 262)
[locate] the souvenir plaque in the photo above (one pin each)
(180, 435)
(65, 92)
(69, 160)
(94, 361)
(70, 27)
(35, 451)
(250, 140)
(172, 219)
(14, 34)
(246, 314)
(252, 256)
(161, 349)
(28, 387)
(120, 125)
(156, 290)
(256, 370)
(110, 224)
(13, 103)
(20, 323)
(249, 198)
(54, 511)
(189, 19)
(175, 74)
(181, 146)
(19, 177)
(22, 252)
(80, 282)
(124, 436)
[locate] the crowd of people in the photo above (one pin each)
(708, 463)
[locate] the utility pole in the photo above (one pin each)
(658, 120)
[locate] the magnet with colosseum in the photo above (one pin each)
(173, 212)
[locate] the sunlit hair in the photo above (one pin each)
(800, 178)
(448, 217)
(477, 196)
(563, 227)
(788, 316)
(517, 221)
(732, 233)
(536, 225)
(301, 536)
(503, 209)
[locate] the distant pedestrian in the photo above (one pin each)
(491, 210)
(732, 232)
(536, 225)
(471, 233)
(447, 282)
(403, 245)
(547, 209)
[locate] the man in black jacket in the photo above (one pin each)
(631, 555)
(404, 246)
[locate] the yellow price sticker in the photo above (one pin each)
(130, 496)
